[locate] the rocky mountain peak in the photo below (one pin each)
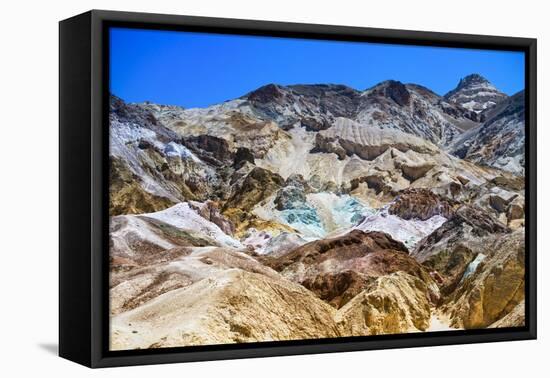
(397, 92)
(472, 79)
(267, 93)
(476, 93)
(392, 89)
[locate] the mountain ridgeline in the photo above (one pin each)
(308, 211)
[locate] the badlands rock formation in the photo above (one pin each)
(316, 211)
(499, 141)
(395, 303)
(228, 307)
(337, 269)
(493, 287)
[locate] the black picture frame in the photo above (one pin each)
(83, 181)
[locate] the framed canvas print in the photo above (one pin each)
(233, 188)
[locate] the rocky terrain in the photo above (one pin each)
(316, 211)
(500, 140)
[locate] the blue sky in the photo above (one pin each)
(199, 69)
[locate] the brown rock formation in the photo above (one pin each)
(132, 199)
(515, 318)
(495, 288)
(465, 223)
(421, 204)
(414, 172)
(127, 196)
(396, 303)
(337, 269)
(337, 288)
(139, 239)
(157, 273)
(210, 211)
(481, 222)
(353, 244)
(509, 182)
(257, 185)
(211, 149)
(231, 306)
(449, 265)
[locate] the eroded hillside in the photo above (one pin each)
(313, 211)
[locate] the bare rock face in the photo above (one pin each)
(282, 243)
(347, 138)
(337, 288)
(449, 250)
(504, 201)
(479, 220)
(474, 92)
(414, 172)
(151, 165)
(139, 238)
(391, 104)
(289, 197)
(500, 140)
(377, 183)
(412, 109)
(509, 182)
(133, 288)
(354, 244)
(495, 288)
(126, 196)
(516, 211)
(122, 112)
(337, 269)
(210, 211)
(421, 204)
(242, 156)
(211, 149)
(515, 318)
(396, 303)
(508, 206)
(313, 124)
(267, 94)
(232, 306)
(465, 224)
(397, 92)
(132, 199)
(256, 186)
(314, 106)
(329, 145)
(449, 266)
(154, 274)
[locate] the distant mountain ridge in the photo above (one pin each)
(260, 118)
(390, 105)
